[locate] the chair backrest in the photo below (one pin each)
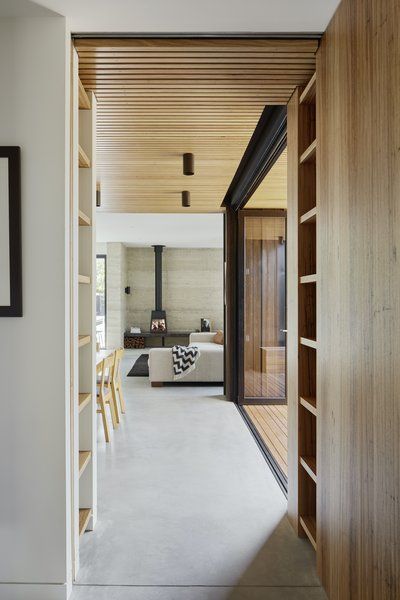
(100, 370)
(117, 364)
(108, 364)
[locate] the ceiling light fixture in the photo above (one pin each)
(186, 198)
(188, 164)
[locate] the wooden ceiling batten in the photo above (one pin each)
(161, 98)
(209, 44)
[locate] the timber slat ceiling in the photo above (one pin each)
(160, 98)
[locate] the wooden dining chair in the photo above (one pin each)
(117, 382)
(112, 383)
(104, 391)
(101, 374)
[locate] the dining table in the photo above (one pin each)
(102, 354)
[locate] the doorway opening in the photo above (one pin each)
(101, 300)
(262, 332)
(256, 229)
(158, 100)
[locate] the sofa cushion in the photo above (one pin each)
(219, 337)
(207, 346)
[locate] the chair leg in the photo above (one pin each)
(102, 410)
(110, 402)
(115, 403)
(121, 398)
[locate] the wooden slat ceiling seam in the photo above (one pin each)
(160, 98)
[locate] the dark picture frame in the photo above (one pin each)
(10, 232)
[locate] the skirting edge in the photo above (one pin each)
(35, 591)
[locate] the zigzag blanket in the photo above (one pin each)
(184, 360)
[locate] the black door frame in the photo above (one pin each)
(263, 150)
(265, 147)
(231, 313)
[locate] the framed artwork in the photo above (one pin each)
(205, 325)
(10, 232)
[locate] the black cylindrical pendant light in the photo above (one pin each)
(188, 164)
(185, 198)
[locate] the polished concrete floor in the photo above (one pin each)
(188, 508)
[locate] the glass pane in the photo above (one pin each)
(101, 301)
(265, 307)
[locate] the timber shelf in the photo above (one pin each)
(84, 459)
(310, 343)
(84, 518)
(308, 289)
(310, 404)
(84, 160)
(309, 464)
(308, 95)
(84, 400)
(309, 217)
(83, 340)
(84, 220)
(309, 154)
(308, 278)
(309, 526)
(84, 279)
(83, 313)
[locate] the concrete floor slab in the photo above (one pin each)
(197, 593)
(186, 499)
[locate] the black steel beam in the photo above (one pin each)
(266, 145)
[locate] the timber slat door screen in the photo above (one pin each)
(262, 293)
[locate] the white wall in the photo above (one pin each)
(173, 230)
(193, 16)
(34, 349)
(101, 248)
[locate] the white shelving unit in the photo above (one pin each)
(83, 312)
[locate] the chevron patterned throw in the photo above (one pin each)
(184, 360)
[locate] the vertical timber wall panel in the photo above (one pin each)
(358, 178)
